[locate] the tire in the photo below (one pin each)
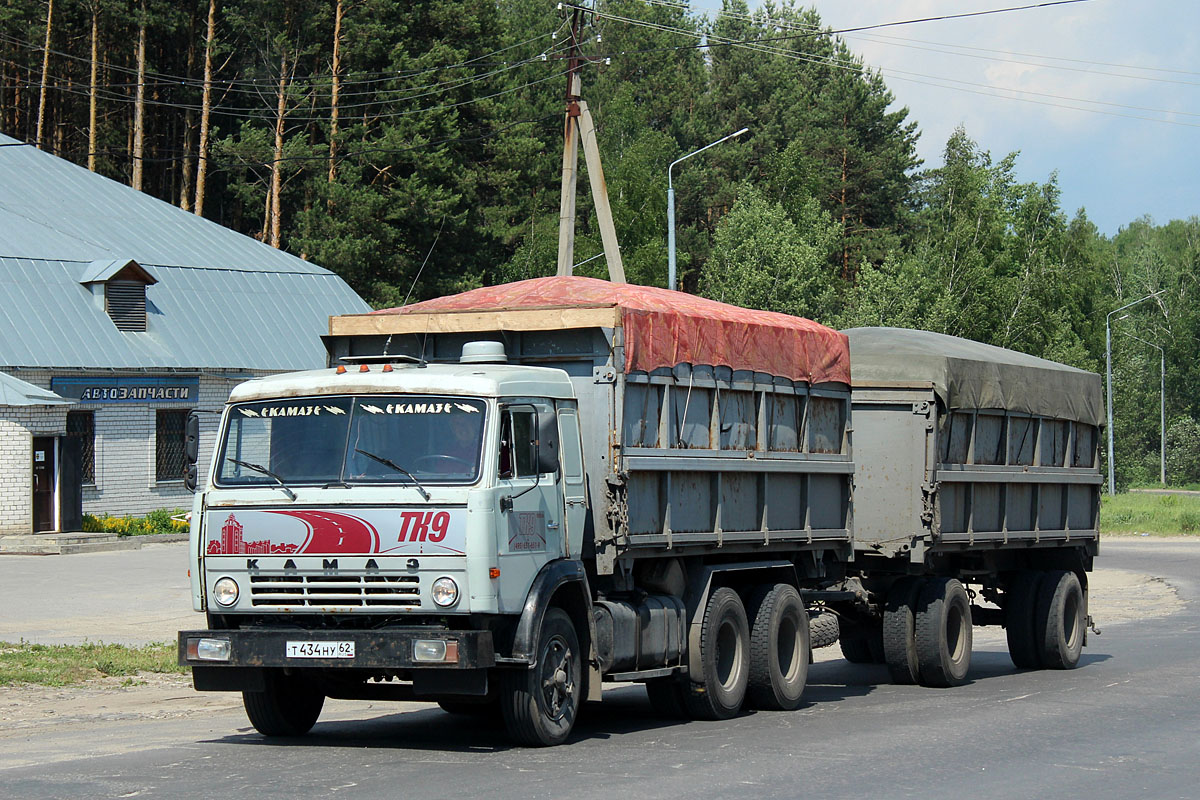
(823, 630)
(779, 648)
(725, 657)
(943, 633)
(666, 697)
(899, 631)
(1020, 608)
(540, 704)
(1059, 620)
(861, 643)
(288, 705)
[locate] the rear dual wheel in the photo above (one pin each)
(1046, 619)
(861, 642)
(899, 630)
(725, 659)
(779, 648)
(943, 633)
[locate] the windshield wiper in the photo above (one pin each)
(387, 462)
(259, 468)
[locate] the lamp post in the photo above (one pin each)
(1162, 408)
(1112, 489)
(671, 205)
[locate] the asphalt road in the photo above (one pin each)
(1125, 724)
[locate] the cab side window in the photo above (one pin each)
(518, 448)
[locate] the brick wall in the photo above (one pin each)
(124, 452)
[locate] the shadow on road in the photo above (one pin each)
(625, 710)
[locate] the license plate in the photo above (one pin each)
(320, 650)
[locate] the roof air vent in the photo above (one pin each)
(126, 301)
(483, 353)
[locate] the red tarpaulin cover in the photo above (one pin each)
(665, 328)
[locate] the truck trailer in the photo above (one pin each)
(499, 500)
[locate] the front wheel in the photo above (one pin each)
(540, 704)
(287, 706)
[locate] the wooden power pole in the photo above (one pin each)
(579, 128)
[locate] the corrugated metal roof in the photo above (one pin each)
(100, 271)
(204, 318)
(222, 300)
(53, 209)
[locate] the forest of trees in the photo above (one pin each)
(415, 149)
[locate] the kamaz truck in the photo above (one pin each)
(500, 500)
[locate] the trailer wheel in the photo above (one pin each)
(540, 704)
(861, 643)
(1059, 621)
(1020, 608)
(779, 648)
(666, 697)
(943, 633)
(899, 631)
(287, 706)
(725, 656)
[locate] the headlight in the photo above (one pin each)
(444, 592)
(225, 591)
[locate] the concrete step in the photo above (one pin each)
(67, 542)
(127, 543)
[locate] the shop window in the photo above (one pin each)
(81, 425)
(169, 436)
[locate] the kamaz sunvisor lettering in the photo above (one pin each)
(353, 439)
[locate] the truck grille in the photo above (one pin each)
(376, 591)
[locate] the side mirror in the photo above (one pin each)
(191, 451)
(547, 451)
(191, 439)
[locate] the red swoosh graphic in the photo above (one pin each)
(329, 532)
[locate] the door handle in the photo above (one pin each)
(551, 526)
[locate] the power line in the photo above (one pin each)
(855, 65)
(785, 24)
(255, 85)
(227, 165)
(883, 40)
(296, 117)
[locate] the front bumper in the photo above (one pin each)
(386, 649)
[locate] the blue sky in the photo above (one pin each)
(1117, 167)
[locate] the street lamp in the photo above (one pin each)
(671, 205)
(1112, 489)
(1162, 408)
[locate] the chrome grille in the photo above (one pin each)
(376, 591)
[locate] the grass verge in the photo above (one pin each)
(66, 665)
(1155, 514)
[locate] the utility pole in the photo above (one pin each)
(579, 128)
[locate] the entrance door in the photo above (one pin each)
(43, 483)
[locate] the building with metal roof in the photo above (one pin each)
(120, 314)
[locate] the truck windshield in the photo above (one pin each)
(336, 440)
